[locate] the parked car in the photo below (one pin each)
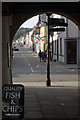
(15, 46)
(21, 44)
(16, 49)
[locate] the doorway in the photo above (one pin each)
(71, 52)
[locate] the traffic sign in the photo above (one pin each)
(57, 29)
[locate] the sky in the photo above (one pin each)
(30, 23)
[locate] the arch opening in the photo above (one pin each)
(60, 49)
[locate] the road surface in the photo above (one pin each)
(28, 70)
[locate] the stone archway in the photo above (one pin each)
(14, 14)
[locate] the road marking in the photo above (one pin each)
(32, 69)
(37, 66)
(28, 64)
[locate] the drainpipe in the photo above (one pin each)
(65, 45)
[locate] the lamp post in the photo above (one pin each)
(48, 62)
(53, 22)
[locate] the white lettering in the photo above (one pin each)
(20, 109)
(17, 95)
(12, 88)
(4, 109)
(12, 102)
(12, 95)
(12, 109)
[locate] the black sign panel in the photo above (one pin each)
(57, 29)
(12, 101)
(57, 22)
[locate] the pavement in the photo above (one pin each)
(51, 102)
(60, 100)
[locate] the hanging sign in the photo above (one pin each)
(37, 31)
(13, 101)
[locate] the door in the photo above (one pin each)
(71, 52)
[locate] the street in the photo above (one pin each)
(60, 100)
(28, 70)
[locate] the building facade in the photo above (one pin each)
(66, 44)
(63, 45)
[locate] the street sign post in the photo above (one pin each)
(48, 62)
(53, 22)
(13, 102)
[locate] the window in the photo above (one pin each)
(60, 46)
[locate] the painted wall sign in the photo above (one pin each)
(13, 101)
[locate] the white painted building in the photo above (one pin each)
(21, 40)
(66, 44)
(28, 39)
(43, 35)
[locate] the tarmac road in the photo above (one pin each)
(28, 70)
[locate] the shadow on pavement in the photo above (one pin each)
(51, 102)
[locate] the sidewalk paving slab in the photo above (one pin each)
(51, 102)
